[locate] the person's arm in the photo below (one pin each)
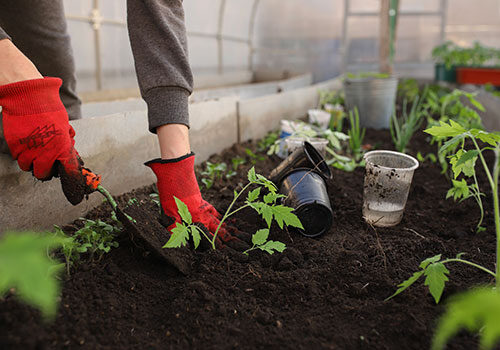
(14, 65)
(158, 39)
(35, 124)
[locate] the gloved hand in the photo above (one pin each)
(39, 136)
(176, 177)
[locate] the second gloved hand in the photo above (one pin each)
(176, 177)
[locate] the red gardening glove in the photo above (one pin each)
(176, 177)
(39, 136)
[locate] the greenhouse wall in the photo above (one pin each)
(277, 38)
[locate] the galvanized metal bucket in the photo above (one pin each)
(374, 98)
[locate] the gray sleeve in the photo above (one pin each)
(158, 38)
(4, 35)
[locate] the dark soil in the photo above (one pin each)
(324, 293)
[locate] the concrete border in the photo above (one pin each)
(116, 145)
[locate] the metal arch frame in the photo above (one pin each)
(96, 20)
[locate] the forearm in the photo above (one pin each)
(14, 65)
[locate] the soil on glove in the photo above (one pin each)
(323, 293)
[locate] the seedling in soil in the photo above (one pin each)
(259, 241)
(402, 129)
(408, 89)
(214, 171)
(254, 158)
(464, 161)
(267, 141)
(429, 156)
(356, 135)
(268, 209)
(27, 270)
(155, 198)
(96, 238)
(236, 162)
(132, 201)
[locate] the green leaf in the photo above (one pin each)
(179, 236)
(446, 130)
(283, 214)
(405, 284)
(183, 211)
(486, 137)
(251, 175)
(451, 143)
(266, 212)
(430, 260)
(253, 195)
(460, 189)
(477, 311)
(476, 104)
(26, 267)
(195, 233)
(435, 278)
(272, 246)
(260, 237)
(468, 155)
(271, 198)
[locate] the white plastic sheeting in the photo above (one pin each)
(324, 37)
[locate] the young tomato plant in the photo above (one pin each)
(463, 161)
(479, 309)
(268, 209)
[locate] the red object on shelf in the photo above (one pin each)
(473, 75)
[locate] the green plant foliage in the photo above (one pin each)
(95, 238)
(26, 267)
(408, 89)
(259, 241)
(451, 54)
(476, 311)
(267, 141)
(267, 207)
(331, 98)
(213, 172)
(254, 158)
(402, 129)
(356, 135)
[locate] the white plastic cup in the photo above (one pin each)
(292, 143)
(319, 117)
(388, 178)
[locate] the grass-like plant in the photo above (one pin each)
(402, 129)
(356, 135)
(267, 208)
(464, 161)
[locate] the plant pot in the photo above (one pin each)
(305, 191)
(319, 117)
(374, 99)
(478, 75)
(288, 128)
(441, 73)
(303, 157)
(387, 184)
(294, 142)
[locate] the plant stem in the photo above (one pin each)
(471, 264)
(477, 196)
(497, 213)
(227, 213)
(108, 196)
